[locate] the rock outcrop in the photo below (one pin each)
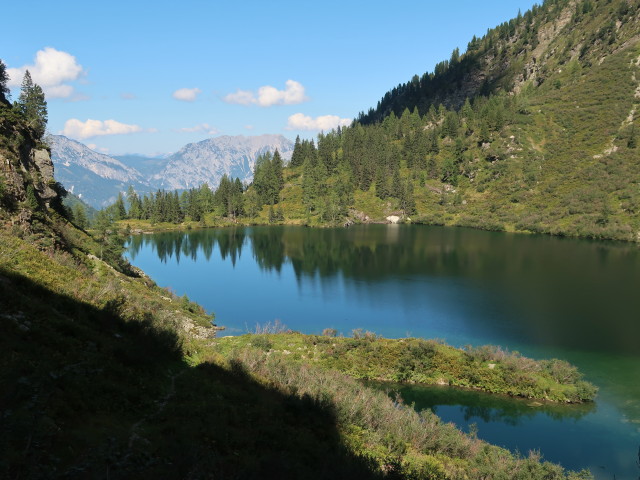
(26, 170)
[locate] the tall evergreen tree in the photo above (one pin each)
(4, 78)
(297, 157)
(80, 216)
(135, 205)
(120, 211)
(33, 105)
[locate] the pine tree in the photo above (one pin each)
(278, 179)
(253, 205)
(450, 126)
(297, 157)
(80, 216)
(135, 205)
(407, 200)
(205, 198)
(382, 183)
(120, 211)
(33, 105)
(396, 185)
(32, 199)
(4, 78)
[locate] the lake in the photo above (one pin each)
(540, 295)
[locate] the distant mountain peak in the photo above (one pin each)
(208, 160)
(97, 178)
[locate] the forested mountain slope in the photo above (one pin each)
(534, 128)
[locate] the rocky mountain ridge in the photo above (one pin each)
(198, 163)
(97, 178)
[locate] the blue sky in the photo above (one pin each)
(149, 77)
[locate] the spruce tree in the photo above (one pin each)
(80, 216)
(32, 199)
(135, 205)
(277, 166)
(33, 105)
(120, 210)
(297, 157)
(4, 78)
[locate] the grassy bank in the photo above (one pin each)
(367, 356)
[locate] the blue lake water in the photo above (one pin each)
(543, 296)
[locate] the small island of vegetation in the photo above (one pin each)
(371, 357)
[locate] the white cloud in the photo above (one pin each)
(203, 127)
(127, 96)
(52, 69)
(267, 95)
(93, 128)
(241, 97)
(186, 94)
(249, 127)
(300, 121)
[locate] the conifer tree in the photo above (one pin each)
(407, 200)
(135, 205)
(32, 200)
(396, 185)
(4, 78)
(252, 202)
(80, 216)
(297, 157)
(120, 212)
(33, 105)
(278, 179)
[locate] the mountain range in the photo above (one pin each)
(97, 178)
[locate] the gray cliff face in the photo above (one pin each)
(97, 178)
(209, 160)
(25, 165)
(41, 160)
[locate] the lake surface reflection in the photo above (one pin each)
(544, 296)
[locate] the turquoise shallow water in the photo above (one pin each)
(544, 296)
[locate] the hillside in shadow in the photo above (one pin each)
(88, 395)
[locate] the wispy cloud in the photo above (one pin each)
(300, 121)
(127, 96)
(268, 96)
(186, 94)
(203, 127)
(52, 69)
(94, 128)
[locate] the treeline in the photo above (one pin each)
(230, 199)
